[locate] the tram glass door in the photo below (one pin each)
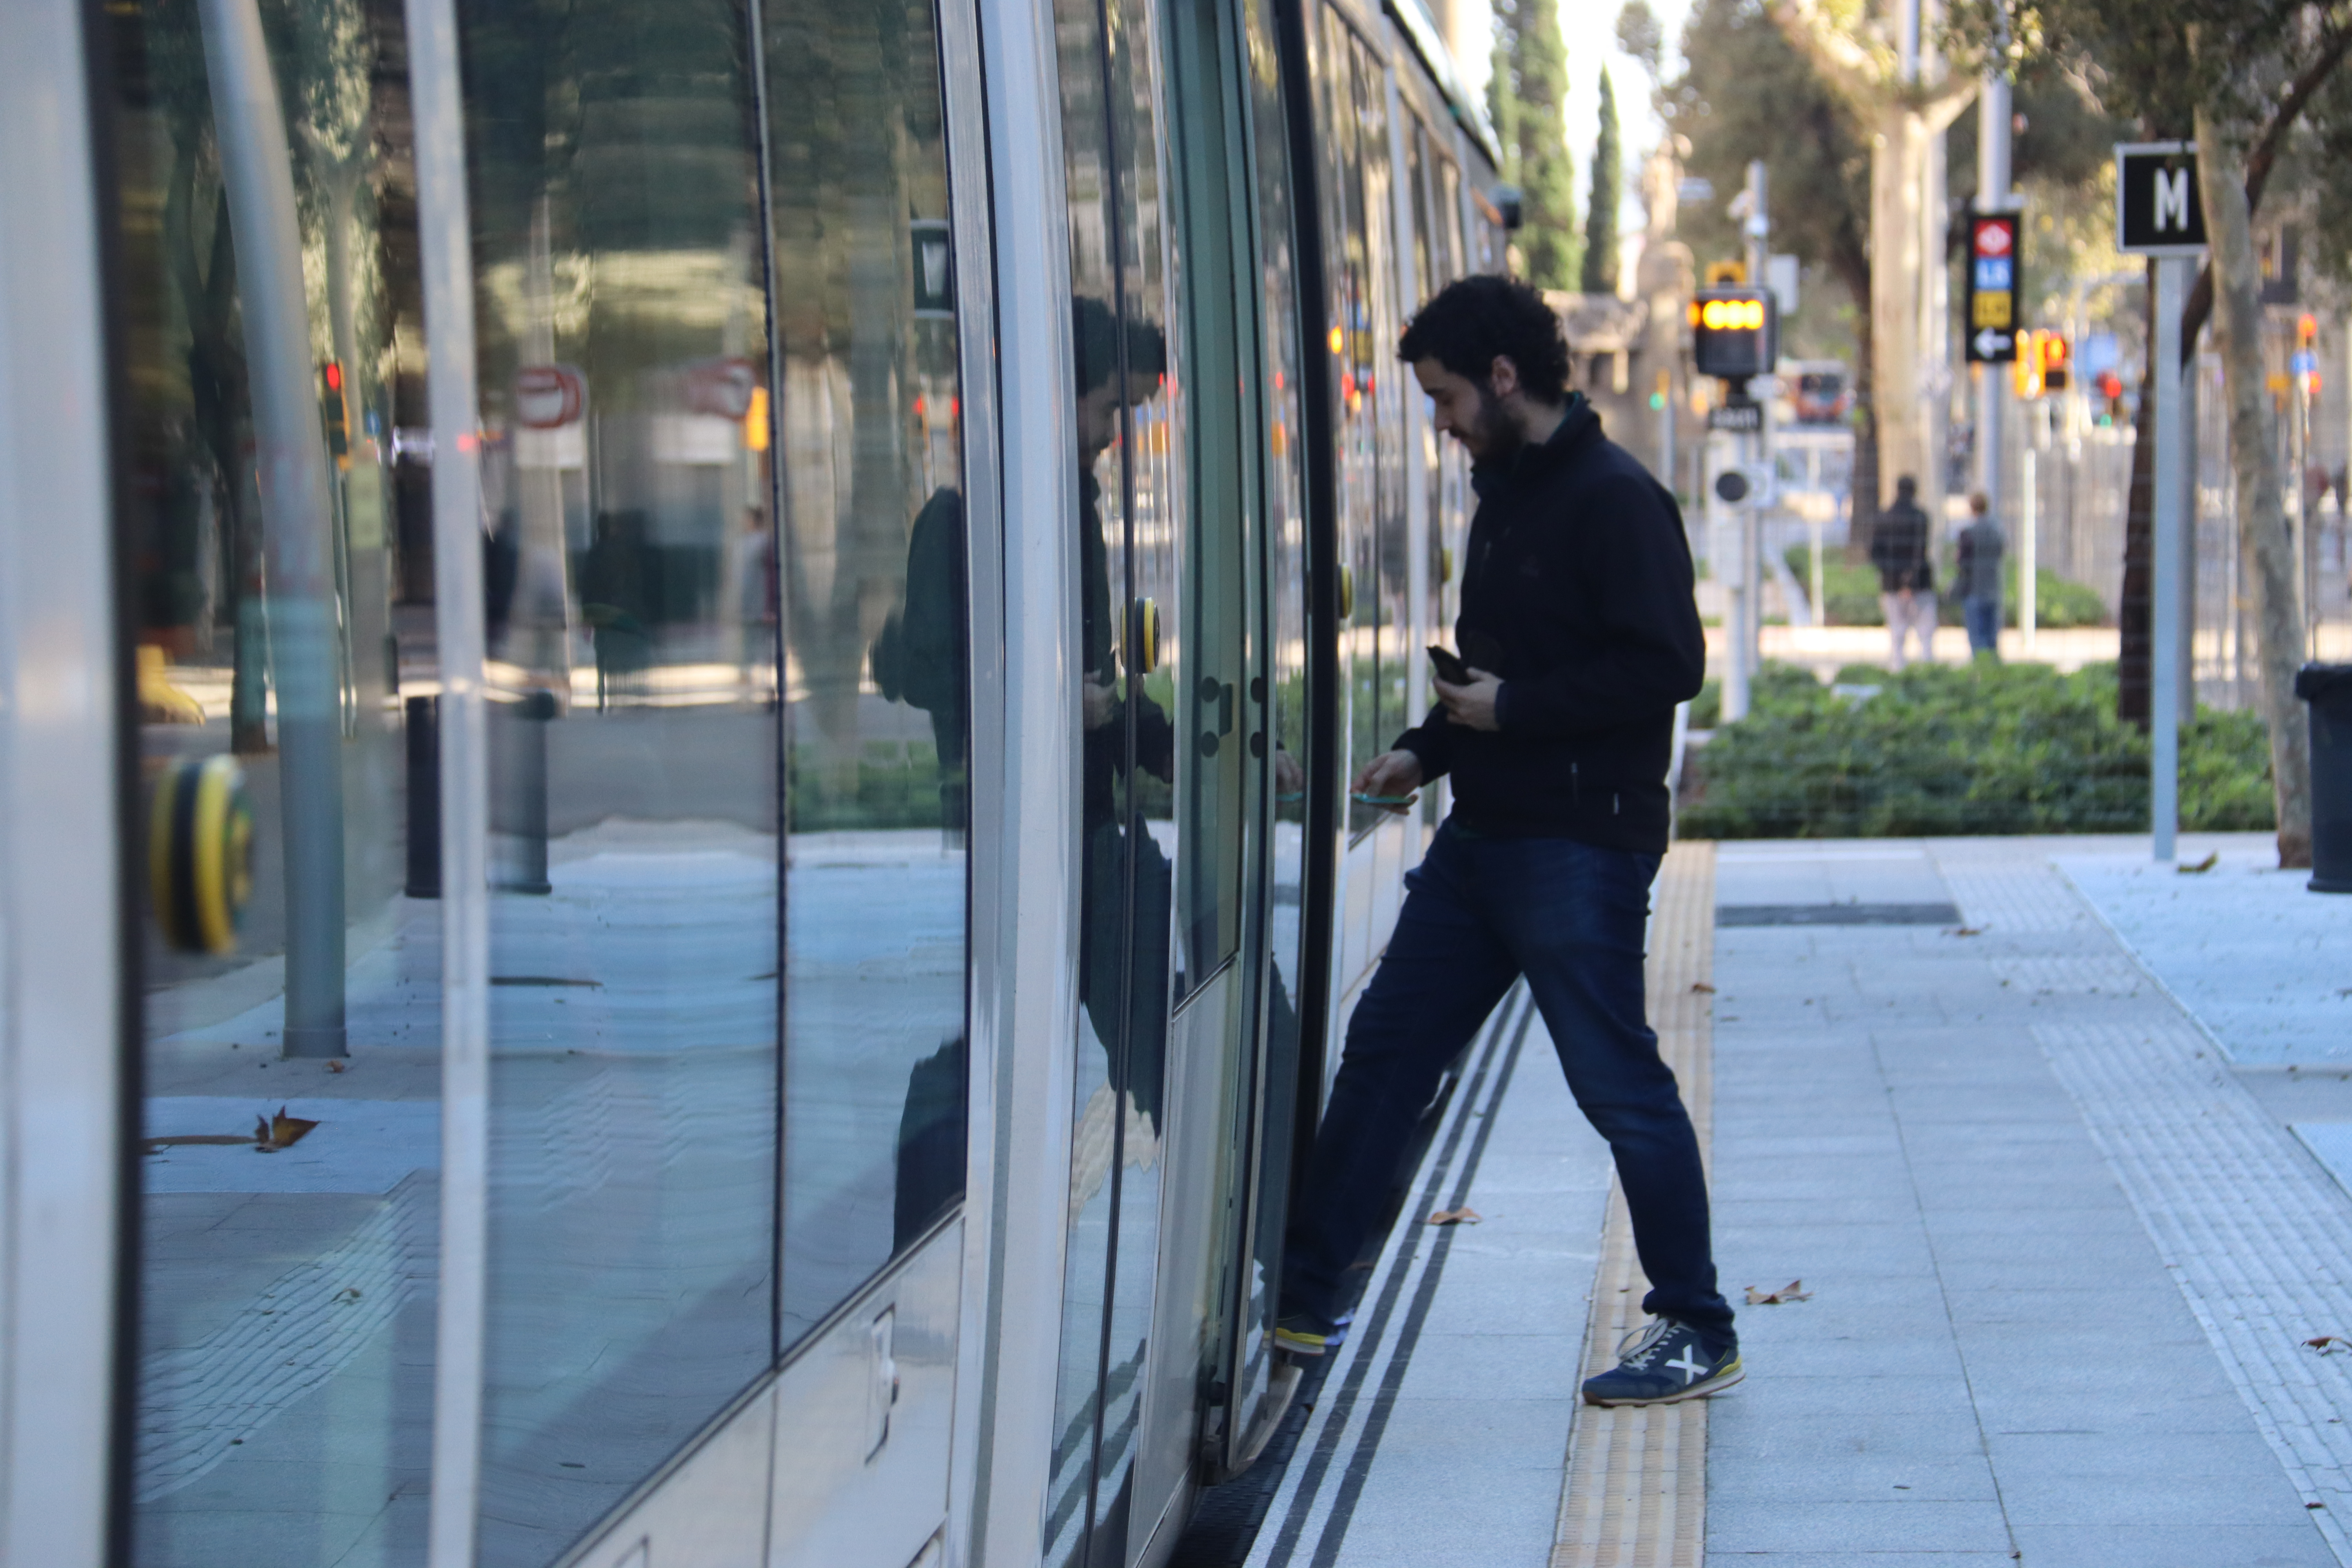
(1178, 742)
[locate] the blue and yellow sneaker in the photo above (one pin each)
(1308, 1333)
(1664, 1363)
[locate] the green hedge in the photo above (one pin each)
(1986, 748)
(1851, 589)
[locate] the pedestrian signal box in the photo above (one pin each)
(2056, 359)
(1735, 332)
(334, 414)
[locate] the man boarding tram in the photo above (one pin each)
(1578, 636)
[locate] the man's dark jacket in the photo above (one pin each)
(1577, 594)
(1898, 548)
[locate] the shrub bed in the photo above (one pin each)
(1985, 748)
(1851, 589)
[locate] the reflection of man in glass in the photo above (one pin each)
(1118, 369)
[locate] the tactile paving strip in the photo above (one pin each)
(1636, 1491)
(2258, 1238)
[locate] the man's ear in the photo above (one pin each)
(1503, 377)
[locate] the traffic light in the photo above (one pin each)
(2111, 388)
(2025, 370)
(332, 411)
(1734, 333)
(2306, 330)
(2055, 362)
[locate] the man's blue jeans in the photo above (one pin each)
(1479, 913)
(1983, 619)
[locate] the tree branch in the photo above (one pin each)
(2261, 157)
(1845, 65)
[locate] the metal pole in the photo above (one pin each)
(2164, 711)
(297, 512)
(1751, 516)
(1994, 123)
(2028, 564)
(1733, 574)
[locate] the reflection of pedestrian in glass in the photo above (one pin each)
(1906, 579)
(1981, 547)
(616, 600)
(1118, 369)
(756, 590)
(1580, 636)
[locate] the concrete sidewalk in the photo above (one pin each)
(2045, 1132)
(2060, 1261)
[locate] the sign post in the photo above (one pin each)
(2158, 214)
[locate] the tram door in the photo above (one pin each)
(1179, 742)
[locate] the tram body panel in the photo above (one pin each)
(65, 998)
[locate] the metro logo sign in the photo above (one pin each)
(2158, 208)
(1992, 287)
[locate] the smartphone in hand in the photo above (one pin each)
(1449, 667)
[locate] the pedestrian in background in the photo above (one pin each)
(1907, 578)
(1981, 547)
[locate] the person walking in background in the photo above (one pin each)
(1907, 578)
(1981, 548)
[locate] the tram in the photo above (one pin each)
(676, 689)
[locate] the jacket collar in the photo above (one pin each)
(1580, 422)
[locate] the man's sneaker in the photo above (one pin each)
(1662, 1363)
(1305, 1333)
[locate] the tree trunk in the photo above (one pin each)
(2134, 616)
(1899, 396)
(2264, 550)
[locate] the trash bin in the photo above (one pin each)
(2328, 689)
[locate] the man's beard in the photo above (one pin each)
(1498, 439)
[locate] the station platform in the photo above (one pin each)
(2044, 1151)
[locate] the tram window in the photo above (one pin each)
(289, 1193)
(633, 928)
(875, 630)
(1352, 96)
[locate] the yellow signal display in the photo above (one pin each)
(1733, 332)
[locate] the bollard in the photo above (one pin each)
(2328, 689)
(424, 736)
(537, 711)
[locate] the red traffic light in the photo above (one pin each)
(2306, 328)
(2110, 384)
(333, 373)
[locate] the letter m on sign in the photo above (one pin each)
(2172, 200)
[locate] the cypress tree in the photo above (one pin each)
(1528, 98)
(1600, 216)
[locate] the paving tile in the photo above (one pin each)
(1927, 1525)
(2173, 1546)
(1892, 1476)
(1810, 1395)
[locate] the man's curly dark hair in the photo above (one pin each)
(1472, 320)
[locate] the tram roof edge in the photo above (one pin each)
(1420, 30)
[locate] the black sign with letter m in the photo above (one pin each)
(2158, 209)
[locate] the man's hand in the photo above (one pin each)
(1473, 706)
(1392, 773)
(1097, 701)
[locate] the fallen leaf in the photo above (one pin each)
(1794, 1291)
(1702, 987)
(1966, 931)
(279, 1131)
(2328, 1344)
(1456, 1216)
(2201, 867)
(334, 1066)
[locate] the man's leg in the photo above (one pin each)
(1891, 604)
(1577, 928)
(1445, 970)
